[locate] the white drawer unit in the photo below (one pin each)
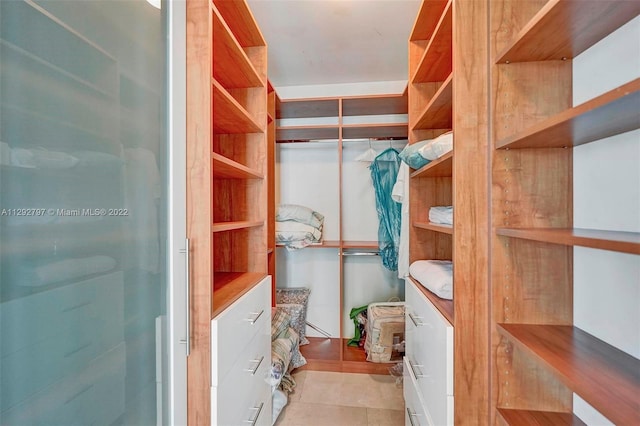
(241, 359)
(415, 414)
(235, 327)
(429, 355)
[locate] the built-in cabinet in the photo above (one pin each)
(447, 91)
(227, 173)
(540, 359)
(332, 127)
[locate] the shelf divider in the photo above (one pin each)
(224, 168)
(624, 242)
(442, 167)
(564, 29)
(607, 115)
(604, 376)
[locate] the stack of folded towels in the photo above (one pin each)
(434, 275)
(298, 226)
(442, 215)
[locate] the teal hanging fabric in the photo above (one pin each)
(384, 171)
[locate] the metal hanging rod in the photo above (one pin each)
(361, 253)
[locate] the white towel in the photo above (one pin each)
(441, 215)
(434, 275)
(400, 194)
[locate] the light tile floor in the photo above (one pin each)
(343, 399)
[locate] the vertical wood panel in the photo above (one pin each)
(471, 212)
(199, 205)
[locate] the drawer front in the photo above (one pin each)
(236, 326)
(415, 414)
(244, 394)
(430, 354)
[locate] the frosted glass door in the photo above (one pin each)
(83, 213)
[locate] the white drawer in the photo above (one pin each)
(236, 326)
(429, 353)
(415, 414)
(244, 394)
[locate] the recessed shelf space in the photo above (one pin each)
(427, 19)
(443, 305)
(234, 226)
(365, 245)
(375, 105)
(436, 62)
(224, 168)
(241, 22)
(377, 130)
(537, 418)
(445, 229)
(612, 113)
(231, 65)
(306, 133)
(604, 376)
(564, 29)
(307, 108)
(230, 286)
(624, 242)
(229, 117)
(442, 167)
(438, 113)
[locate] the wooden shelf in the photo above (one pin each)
(224, 168)
(436, 62)
(231, 65)
(564, 29)
(445, 229)
(234, 226)
(230, 286)
(307, 108)
(377, 130)
(607, 115)
(241, 22)
(366, 245)
(443, 305)
(325, 244)
(442, 167)
(375, 105)
(605, 377)
(306, 133)
(438, 114)
(323, 354)
(624, 242)
(427, 19)
(228, 115)
(537, 418)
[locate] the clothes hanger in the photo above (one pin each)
(368, 156)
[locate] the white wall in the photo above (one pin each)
(342, 89)
(607, 196)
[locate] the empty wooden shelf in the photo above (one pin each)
(438, 114)
(445, 229)
(537, 418)
(233, 226)
(377, 130)
(306, 133)
(436, 62)
(224, 168)
(230, 286)
(228, 115)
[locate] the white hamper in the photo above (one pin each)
(385, 332)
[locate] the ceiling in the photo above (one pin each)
(313, 42)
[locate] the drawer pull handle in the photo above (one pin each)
(413, 370)
(411, 416)
(253, 370)
(255, 419)
(414, 320)
(254, 319)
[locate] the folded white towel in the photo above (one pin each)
(434, 275)
(441, 215)
(437, 147)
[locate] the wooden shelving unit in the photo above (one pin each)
(585, 364)
(448, 74)
(607, 115)
(350, 117)
(532, 259)
(227, 155)
(436, 62)
(272, 101)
